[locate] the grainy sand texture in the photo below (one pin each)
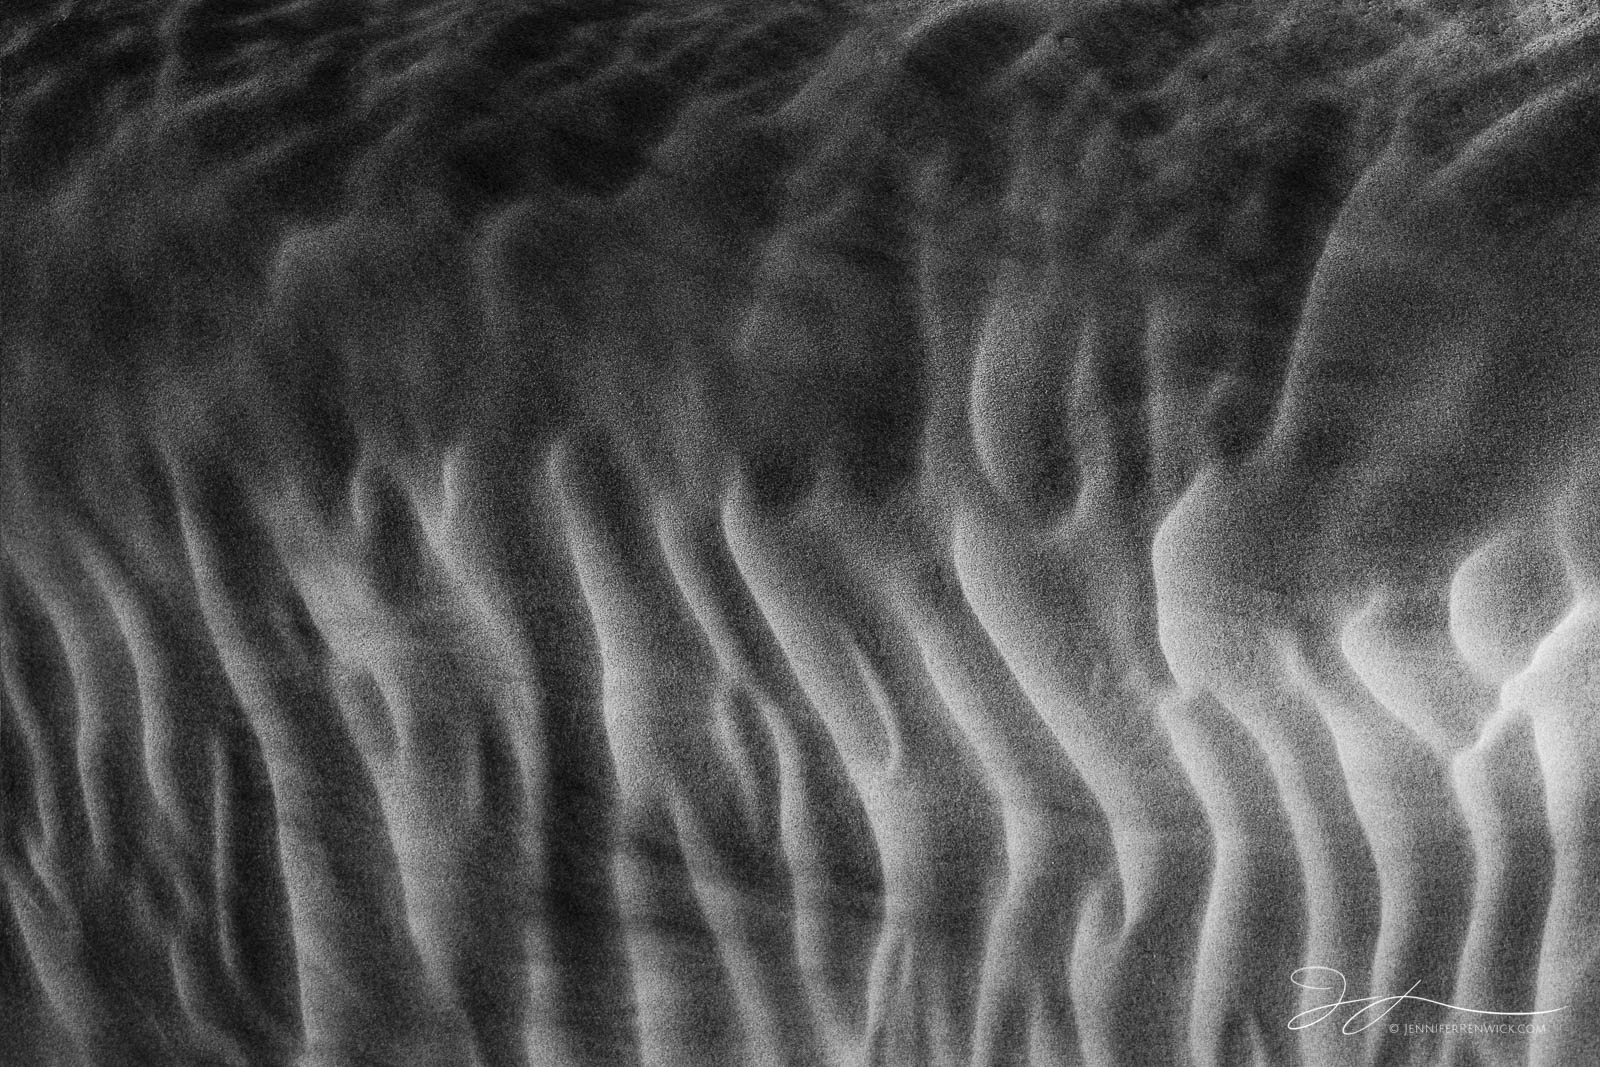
(813, 533)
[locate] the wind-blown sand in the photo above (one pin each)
(799, 534)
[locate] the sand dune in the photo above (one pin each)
(801, 534)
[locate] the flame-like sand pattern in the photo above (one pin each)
(781, 534)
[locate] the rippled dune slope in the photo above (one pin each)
(799, 534)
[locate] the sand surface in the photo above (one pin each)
(781, 534)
